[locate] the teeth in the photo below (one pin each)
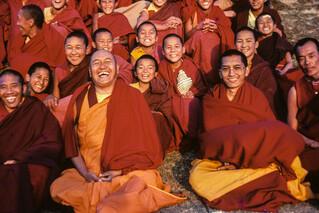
(101, 74)
(11, 99)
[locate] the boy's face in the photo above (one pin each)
(145, 70)
(205, 4)
(245, 43)
(75, 50)
(256, 4)
(173, 49)
(104, 41)
(39, 80)
(107, 6)
(147, 35)
(265, 25)
(159, 3)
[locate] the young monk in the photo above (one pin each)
(260, 73)
(155, 91)
(165, 15)
(147, 42)
(114, 171)
(39, 80)
(103, 40)
(29, 147)
(186, 84)
(250, 160)
(303, 105)
(273, 48)
(117, 23)
(35, 42)
(205, 22)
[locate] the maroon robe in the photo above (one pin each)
(4, 29)
(86, 9)
(36, 147)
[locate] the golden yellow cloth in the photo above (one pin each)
(48, 16)
(137, 53)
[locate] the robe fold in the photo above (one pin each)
(125, 69)
(36, 147)
(70, 81)
(206, 47)
(86, 9)
(244, 133)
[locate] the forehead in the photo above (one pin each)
(172, 40)
(107, 1)
(9, 79)
(245, 34)
(74, 41)
(265, 18)
(101, 56)
(231, 60)
(103, 35)
(146, 61)
(308, 47)
(41, 70)
(147, 27)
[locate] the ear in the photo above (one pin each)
(156, 74)
(88, 50)
(27, 77)
(90, 72)
(183, 49)
(256, 45)
(246, 71)
(220, 75)
(137, 39)
(94, 45)
(24, 89)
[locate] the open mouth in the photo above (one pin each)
(11, 99)
(104, 74)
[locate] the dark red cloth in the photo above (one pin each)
(70, 81)
(86, 9)
(37, 142)
(4, 29)
(117, 23)
(125, 69)
(124, 3)
(130, 141)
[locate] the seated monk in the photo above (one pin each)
(249, 160)
(247, 17)
(39, 80)
(155, 91)
(206, 22)
(35, 42)
(147, 42)
(66, 17)
(165, 15)
(30, 146)
(117, 23)
(303, 105)
(114, 149)
(260, 72)
(185, 85)
(103, 39)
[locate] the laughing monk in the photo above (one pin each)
(114, 172)
(29, 146)
(250, 160)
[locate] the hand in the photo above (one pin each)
(51, 102)
(10, 162)
(91, 177)
(188, 94)
(208, 25)
(172, 22)
(227, 166)
(109, 175)
(312, 143)
(277, 30)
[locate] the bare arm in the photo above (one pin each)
(292, 108)
(81, 167)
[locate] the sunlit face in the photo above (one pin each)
(256, 4)
(10, 91)
(173, 49)
(245, 43)
(145, 70)
(159, 3)
(265, 25)
(308, 59)
(233, 71)
(39, 80)
(24, 25)
(205, 4)
(103, 69)
(107, 6)
(147, 35)
(104, 41)
(59, 4)
(75, 50)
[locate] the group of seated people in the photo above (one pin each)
(94, 93)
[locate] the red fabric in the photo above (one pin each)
(46, 46)
(117, 23)
(4, 27)
(70, 81)
(124, 3)
(138, 148)
(86, 9)
(206, 54)
(125, 69)
(120, 50)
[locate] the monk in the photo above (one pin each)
(249, 160)
(114, 172)
(39, 80)
(103, 39)
(165, 15)
(206, 22)
(247, 17)
(147, 38)
(260, 72)
(303, 105)
(36, 41)
(29, 147)
(185, 85)
(66, 17)
(155, 91)
(117, 23)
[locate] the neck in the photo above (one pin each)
(148, 49)
(72, 67)
(143, 86)
(176, 64)
(257, 12)
(106, 91)
(55, 11)
(33, 32)
(231, 93)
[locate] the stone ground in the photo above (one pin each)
(301, 19)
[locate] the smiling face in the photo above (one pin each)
(58, 4)
(107, 6)
(159, 3)
(233, 71)
(24, 25)
(256, 4)
(308, 59)
(205, 4)
(173, 49)
(265, 24)
(10, 91)
(75, 50)
(147, 35)
(104, 41)
(39, 80)
(245, 43)
(145, 70)
(103, 69)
